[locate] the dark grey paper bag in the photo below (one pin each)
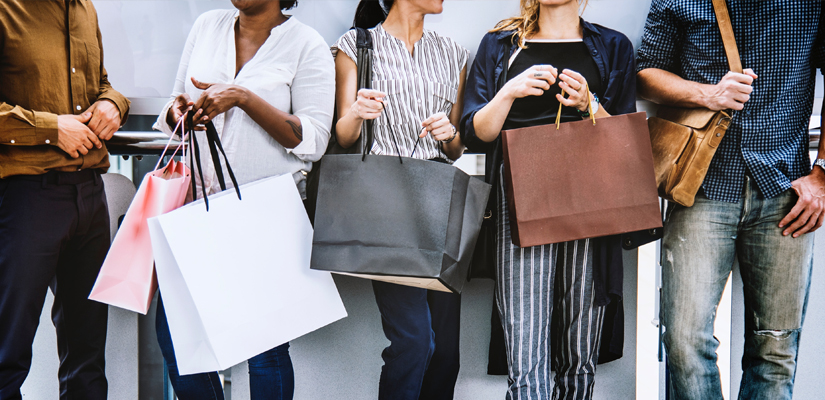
(413, 223)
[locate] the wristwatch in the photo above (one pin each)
(820, 162)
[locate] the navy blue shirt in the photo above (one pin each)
(769, 137)
(614, 56)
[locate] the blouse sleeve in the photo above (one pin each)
(313, 99)
(347, 44)
(477, 94)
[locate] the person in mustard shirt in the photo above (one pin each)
(57, 110)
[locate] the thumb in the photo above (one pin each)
(84, 118)
(200, 85)
(750, 72)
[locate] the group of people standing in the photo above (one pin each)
(274, 93)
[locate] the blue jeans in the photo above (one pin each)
(422, 326)
(699, 247)
(270, 373)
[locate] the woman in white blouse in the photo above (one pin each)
(266, 81)
(417, 83)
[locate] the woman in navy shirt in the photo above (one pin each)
(534, 58)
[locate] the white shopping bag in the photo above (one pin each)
(236, 280)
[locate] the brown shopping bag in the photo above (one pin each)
(580, 179)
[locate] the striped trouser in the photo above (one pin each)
(532, 283)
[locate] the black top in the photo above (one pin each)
(541, 110)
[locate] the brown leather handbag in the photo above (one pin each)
(684, 140)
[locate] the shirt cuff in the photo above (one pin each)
(160, 124)
(45, 128)
(307, 146)
(121, 102)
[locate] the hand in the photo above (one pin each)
(369, 104)
(439, 126)
(105, 119)
(182, 104)
(217, 98)
(732, 92)
(807, 214)
(74, 137)
(576, 88)
(532, 82)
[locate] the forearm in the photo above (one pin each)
(490, 119)
(285, 128)
(667, 88)
(348, 129)
(454, 149)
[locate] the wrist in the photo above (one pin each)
(243, 97)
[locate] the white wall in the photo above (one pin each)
(143, 39)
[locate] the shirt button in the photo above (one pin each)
(73, 71)
(48, 141)
(78, 108)
(595, 52)
(12, 141)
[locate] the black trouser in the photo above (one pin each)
(54, 232)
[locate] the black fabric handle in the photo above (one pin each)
(363, 44)
(195, 157)
(214, 143)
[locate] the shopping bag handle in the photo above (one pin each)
(168, 142)
(589, 106)
(214, 143)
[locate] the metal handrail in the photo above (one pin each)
(139, 143)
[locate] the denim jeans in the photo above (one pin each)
(422, 326)
(699, 247)
(270, 373)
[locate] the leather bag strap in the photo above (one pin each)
(728, 39)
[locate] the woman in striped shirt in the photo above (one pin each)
(417, 81)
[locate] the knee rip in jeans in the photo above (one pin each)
(778, 334)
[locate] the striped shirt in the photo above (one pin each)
(417, 85)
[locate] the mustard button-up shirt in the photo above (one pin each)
(51, 63)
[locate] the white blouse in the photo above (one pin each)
(417, 85)
(293, 71)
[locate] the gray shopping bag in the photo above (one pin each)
(412, 222)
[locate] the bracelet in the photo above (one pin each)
(455, 133)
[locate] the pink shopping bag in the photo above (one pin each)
(127, 278)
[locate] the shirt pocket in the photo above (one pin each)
(92, 69)
(443, 97)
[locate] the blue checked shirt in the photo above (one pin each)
(776, 38)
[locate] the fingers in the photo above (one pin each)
(371, 94)
(542, 84)
(424, 132)
(433, 118)
(84, 118)
(792, 215)
(545, 72)
(809, 226)
(750, 73)
(573, 78)
(740, 78)
(200, 85)
(797, 225)
(92, 137)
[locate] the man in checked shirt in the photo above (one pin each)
(57, 109)
(760, 201)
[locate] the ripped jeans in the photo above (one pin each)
(699, 248)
